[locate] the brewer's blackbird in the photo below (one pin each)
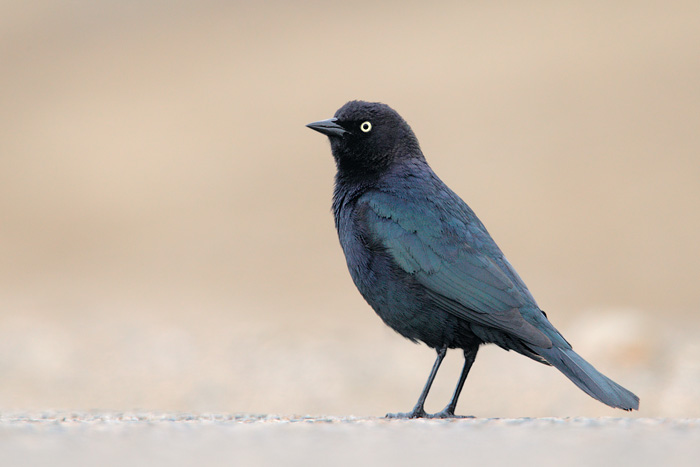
(426, 264)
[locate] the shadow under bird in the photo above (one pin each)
(426, 264)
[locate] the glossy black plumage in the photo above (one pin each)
(426, 264)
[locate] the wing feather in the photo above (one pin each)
(467, 282)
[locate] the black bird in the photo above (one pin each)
(426, 264)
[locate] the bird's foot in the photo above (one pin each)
(447, 413)
(415, 413)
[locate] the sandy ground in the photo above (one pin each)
(185, 439)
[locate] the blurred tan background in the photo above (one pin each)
(165, 235)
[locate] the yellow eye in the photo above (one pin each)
(366, 126)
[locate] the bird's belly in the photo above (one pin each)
(403, 305)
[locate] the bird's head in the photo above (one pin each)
(368, 137)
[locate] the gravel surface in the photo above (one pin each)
(152, 439)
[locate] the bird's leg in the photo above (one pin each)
(449, 411)
(418, 411)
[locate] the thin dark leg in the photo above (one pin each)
(449, 411)
(418, 411)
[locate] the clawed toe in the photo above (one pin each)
(448, 414)
(408, 415)
(445, 413)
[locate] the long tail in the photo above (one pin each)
(590, 380)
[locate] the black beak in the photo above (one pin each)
(328, 127)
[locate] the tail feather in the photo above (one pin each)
(590, 380)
